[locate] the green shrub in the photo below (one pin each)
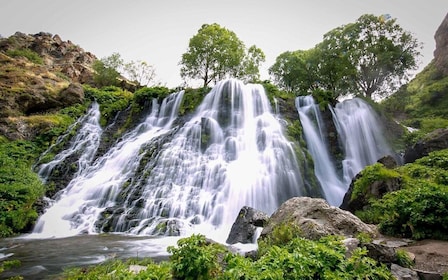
(192, 99)
(372, 173)
(118, 269)
(27, 53)
(111, 99)
(148, 93)
(195, 258)
(20, 188)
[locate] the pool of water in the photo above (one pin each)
(43, 258)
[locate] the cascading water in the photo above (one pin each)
(231, 154)
(313, 127)
(85, 143)
(79, 204)
(361, 134)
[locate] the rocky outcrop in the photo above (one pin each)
(376, 189)
(244, 229)
(58, 55)
(315, 218)
(434, 141)
(441, 51)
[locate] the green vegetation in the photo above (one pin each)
(111, 99)
(192, 99)
(286, 256)
(20, 187)
(27, 53)
(369, 57)
(216, 52)
(419, 209)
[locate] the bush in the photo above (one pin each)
(27, 53)
(195, 258)
(20, 189)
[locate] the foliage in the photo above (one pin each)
(111, 99)
(140, 72)
(301, 258)
(27, 53)
(107, 70)
(117, 269)
(216, 52)
(370, 57)
(146, 94)
(20, 187)
(293, 71)
(404, 259)
(192, 99)
(195, 259)
(378, 51)
(419, 209)
(370, 174)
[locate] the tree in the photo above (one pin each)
(371, 57)
(215, 53)
(107, 70)
(140, 72)
(250, 71)
(294, 71)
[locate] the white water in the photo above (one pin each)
(313, 127)
(231, 154)
(94, 189)
(86, 143)
(361, 134)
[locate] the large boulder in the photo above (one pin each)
(441, 51)
(244, 229)
(315, 218)
(434, 141)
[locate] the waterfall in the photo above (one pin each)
(164, 179)
(85, 143)
(95, 188)
(232, 153)
(314, 130)
(361, 133)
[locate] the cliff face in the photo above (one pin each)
(441, 51)
(39, 74)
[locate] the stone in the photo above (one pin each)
(315, 218)
(434, 141)
(244, 229)
(402, 273)
(441, 50)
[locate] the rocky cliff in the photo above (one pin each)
(39, 73)
(441, 51)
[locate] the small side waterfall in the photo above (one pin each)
(85, 143)
(313, 127)
(361, 134)
(91, 191)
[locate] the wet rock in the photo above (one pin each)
(246, 224)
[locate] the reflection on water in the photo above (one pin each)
(41, 258)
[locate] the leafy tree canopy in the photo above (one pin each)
(371, 57)
(215, 53)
